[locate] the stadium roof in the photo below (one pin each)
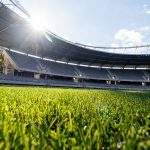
(18, 34)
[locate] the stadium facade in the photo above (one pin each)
(31, 57)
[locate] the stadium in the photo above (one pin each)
(54, 65)
(33, 58)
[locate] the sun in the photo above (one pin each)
(38, 22)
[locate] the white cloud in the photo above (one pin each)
(134, 37)
(144, 29)
(148, 11)
(130, 37)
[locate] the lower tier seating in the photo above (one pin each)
(32, 64)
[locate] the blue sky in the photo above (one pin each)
(95, 22)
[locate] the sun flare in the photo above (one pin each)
(38, 23)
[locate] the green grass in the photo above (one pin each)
(42, 118)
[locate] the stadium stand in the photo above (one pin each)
(128, 75)
(92, 73)
(48, 60)
(33, 64)
(6, 79)
(48, 45)
(60, 72)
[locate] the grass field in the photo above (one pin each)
(42, 118)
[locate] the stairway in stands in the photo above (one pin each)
(42, 68)
(77, 72)
(111, 75)
(146, 75)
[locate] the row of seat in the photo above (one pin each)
(64, 83)
(33, 64)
